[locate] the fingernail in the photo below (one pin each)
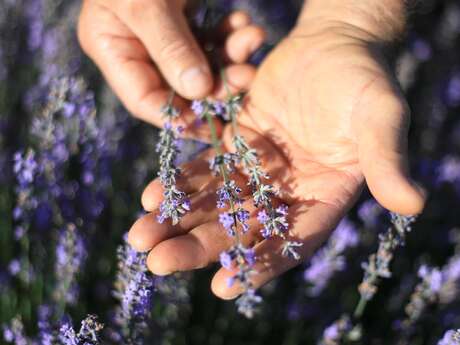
(196, 81)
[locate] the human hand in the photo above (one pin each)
(326, 115)
(124, 37)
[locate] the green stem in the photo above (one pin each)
(223, 170)
(361, 306)
(229, 96)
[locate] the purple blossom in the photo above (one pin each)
(175, 203)
(335, 333)
(227, 160)
(134, 290)
(432, 277)
(14, 267)
(274, 222)
(451, 337)
(228, 222)
(25, 167)
(247, 303)
(228, 194)
(70, 256)
(198, 107)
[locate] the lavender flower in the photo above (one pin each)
(229, 160)
(175, 203)
(437, 285)
(70, 256)
(378, 265)
(213, 108)
(248, 302)
(87, 335)
(227, 195)
(134, 289)
(329, 259)
(336, 333)
(274, 219)
(451, 337)
(14, 333)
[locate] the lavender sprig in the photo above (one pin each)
(330, 259)
(228, 196)
(87, 335)
(451, 337)
(273, 219)
(437, 285)
(175, 203)
(337, 332)
(134, 289)
(378, 265)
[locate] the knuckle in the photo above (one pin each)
(175, 50)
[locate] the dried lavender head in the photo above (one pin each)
(378, 265)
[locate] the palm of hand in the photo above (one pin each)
(314, 112)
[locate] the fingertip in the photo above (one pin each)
(220, 286)
(152, 196)
(239, 19)
(244, 42)
(234, 21)
(181, 253)
(400, 195)
(139, 237)
(156, 264)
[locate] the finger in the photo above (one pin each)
(199, 247)
(383, 154)
(163, 29)
(123, 60)
(238, 78)
(147, 232)
(311, 224)
(234, 21)
(242, 43)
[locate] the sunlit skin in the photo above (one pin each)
(327, 117)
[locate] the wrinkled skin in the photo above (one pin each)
(327, 117)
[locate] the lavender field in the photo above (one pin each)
(74, 163)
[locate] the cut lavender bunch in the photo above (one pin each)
(239, 257)
(175, 203)
(378, 265)
(273, 219)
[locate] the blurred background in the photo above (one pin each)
(73, 165)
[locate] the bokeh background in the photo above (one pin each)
(73, 164)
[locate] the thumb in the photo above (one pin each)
(383, 155)
(163, 29)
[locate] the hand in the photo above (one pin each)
(124, 37)
(326, 115)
